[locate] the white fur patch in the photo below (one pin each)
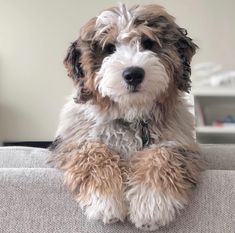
(110, 82)
(108, 209)
(121, 18)
(150, 209)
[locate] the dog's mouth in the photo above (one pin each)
(133, 89)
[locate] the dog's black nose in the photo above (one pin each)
(133, 75)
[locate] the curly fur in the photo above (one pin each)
(164, 177)
(99, 144)
(87, 174)
(168, 170)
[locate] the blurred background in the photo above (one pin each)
(34, 37)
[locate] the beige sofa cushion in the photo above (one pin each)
(34, 200)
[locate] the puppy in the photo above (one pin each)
(125, 139)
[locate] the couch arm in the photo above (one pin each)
(220, 157)
(34, 200)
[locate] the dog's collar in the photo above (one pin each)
(144, 130)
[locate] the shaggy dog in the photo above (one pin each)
(125, 139)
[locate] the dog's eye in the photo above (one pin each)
(148, 44)
(109, 48)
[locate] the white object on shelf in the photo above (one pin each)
(215, 130)
(206, 68)
(215, 91)
(212, 75)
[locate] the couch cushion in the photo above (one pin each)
(34, 200)
(28, 157)
(219, 156)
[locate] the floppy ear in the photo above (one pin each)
(72, 62)
(186, 49)
(74, 67)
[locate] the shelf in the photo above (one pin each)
(215, 91)
(215, 130)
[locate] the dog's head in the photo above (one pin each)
(130, 57)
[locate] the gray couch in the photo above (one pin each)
(33, 198)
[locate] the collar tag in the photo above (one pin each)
(145, 134)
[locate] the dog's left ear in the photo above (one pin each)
(186, 49)
(72, 62)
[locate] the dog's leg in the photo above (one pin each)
(160, 182)
(95, 175)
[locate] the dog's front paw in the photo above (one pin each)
(107, 209)
(95, 174)
(150, 209)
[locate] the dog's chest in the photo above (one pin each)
(123, 137)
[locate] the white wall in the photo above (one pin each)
(34, 36)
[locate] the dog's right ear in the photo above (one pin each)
(72, 62)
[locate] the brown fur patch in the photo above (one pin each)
(93, 168)
(170, 170)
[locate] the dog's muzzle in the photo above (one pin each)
(133, 76)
